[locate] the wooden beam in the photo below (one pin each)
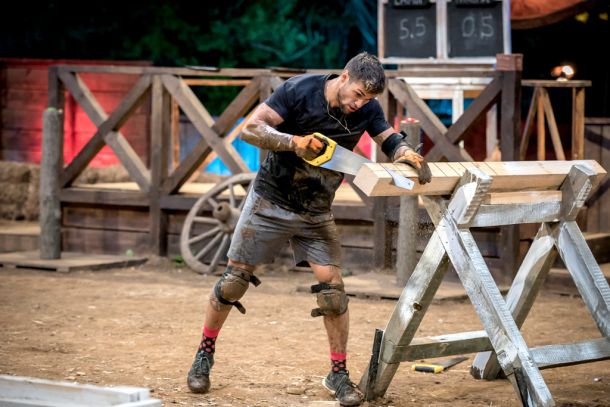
(431, 124)
(374, 180)
(550, 120)
(409, 312)
(578, 123)
(195, 111)
(124, 110)
(160, 113)
(238, 107)
(440, 346)
(522, 294)
(129, 158)
(50, 167)
(529, 121)
(571, 354)
(486, 99)
(585, 271)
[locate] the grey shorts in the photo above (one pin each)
(264, 229)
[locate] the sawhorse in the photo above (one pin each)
(491, 194)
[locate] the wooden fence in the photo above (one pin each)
(157, 196)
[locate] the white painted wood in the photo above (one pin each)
(60, 393)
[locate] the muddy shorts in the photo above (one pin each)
(264, 229)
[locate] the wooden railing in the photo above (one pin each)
(166, 88)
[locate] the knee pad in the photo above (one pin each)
(332, 299)
(232, 285)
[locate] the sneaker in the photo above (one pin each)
(340, 386)
(199, 376)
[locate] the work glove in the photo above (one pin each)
(307, 147)
(414, 159)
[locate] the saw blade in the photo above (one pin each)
(346, 161)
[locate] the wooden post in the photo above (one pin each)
(160, 115)
(382, 250)
(578, 123)
(50, 167)
(406, 244)
(511, 67)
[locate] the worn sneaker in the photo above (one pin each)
(199, 376)
(346, 392)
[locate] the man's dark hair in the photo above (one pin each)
(366, 68)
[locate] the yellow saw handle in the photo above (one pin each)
(327, 153)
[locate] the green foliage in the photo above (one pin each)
(263, 33)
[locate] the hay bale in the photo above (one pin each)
(14, 172)
(14, 193)
(31, 208)
(10, 211)
(115, 173)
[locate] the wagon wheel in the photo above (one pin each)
(206, 236)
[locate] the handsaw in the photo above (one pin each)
(437, 367)
(337, 158)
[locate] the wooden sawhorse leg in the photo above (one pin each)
(581, 264)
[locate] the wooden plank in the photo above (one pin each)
(522, 294)
(409, 311)
(103, 197)
(487, 98)
(510, 112)
(529, 121)
(550, 120)
(571, 354)
(586, 273)
(111, 218)
(195, 111)
(68, 262)
(374, 180)
(83, 96)
(550, 83)
(104, 241)
(511, 214)
(431, 124)
(129, 158)
(42, 392)
(160, 113)
(442, 345)
(238, 107)
(216, 82)
(578, 124)
(603, 193)
(117, 118)
(541, 144)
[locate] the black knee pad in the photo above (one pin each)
(332, 300)
(232, 285)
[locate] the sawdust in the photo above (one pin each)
(141, 326)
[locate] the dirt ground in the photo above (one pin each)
(140, 327)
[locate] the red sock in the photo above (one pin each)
(208, 340)
(338, 362)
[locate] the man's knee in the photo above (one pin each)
(232, 286)
(332, 300)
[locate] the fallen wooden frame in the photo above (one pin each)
(474, 201)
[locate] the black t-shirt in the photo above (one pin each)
(286, 179)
